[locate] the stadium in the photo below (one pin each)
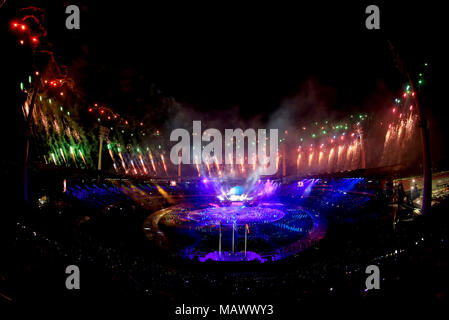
(358, 171)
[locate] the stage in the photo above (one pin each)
(267, 231)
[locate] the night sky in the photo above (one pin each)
(249, 59)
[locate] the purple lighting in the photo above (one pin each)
(227, 256)
(278, 230)
(239, 214)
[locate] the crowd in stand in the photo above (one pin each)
(120, 261)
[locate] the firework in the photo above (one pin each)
(73, 156)
(82, 157)
(152, 162)
(207, 165)
(197, 165)
(163, 163)
(217, 166)
(123, 161)
(143, 164)
(62, 154)
(54, 158)
(134, 167)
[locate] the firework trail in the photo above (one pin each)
(143, 164)
(123, 161)
(163, 163)
(152, 162)
(331, 158)
(207, 165)
(231, 161)
(62, 154)
(310, 158)
(217, 166)
(73, 156)
(197, 165)
(82, 157)
(134, 167)
(113, 160)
